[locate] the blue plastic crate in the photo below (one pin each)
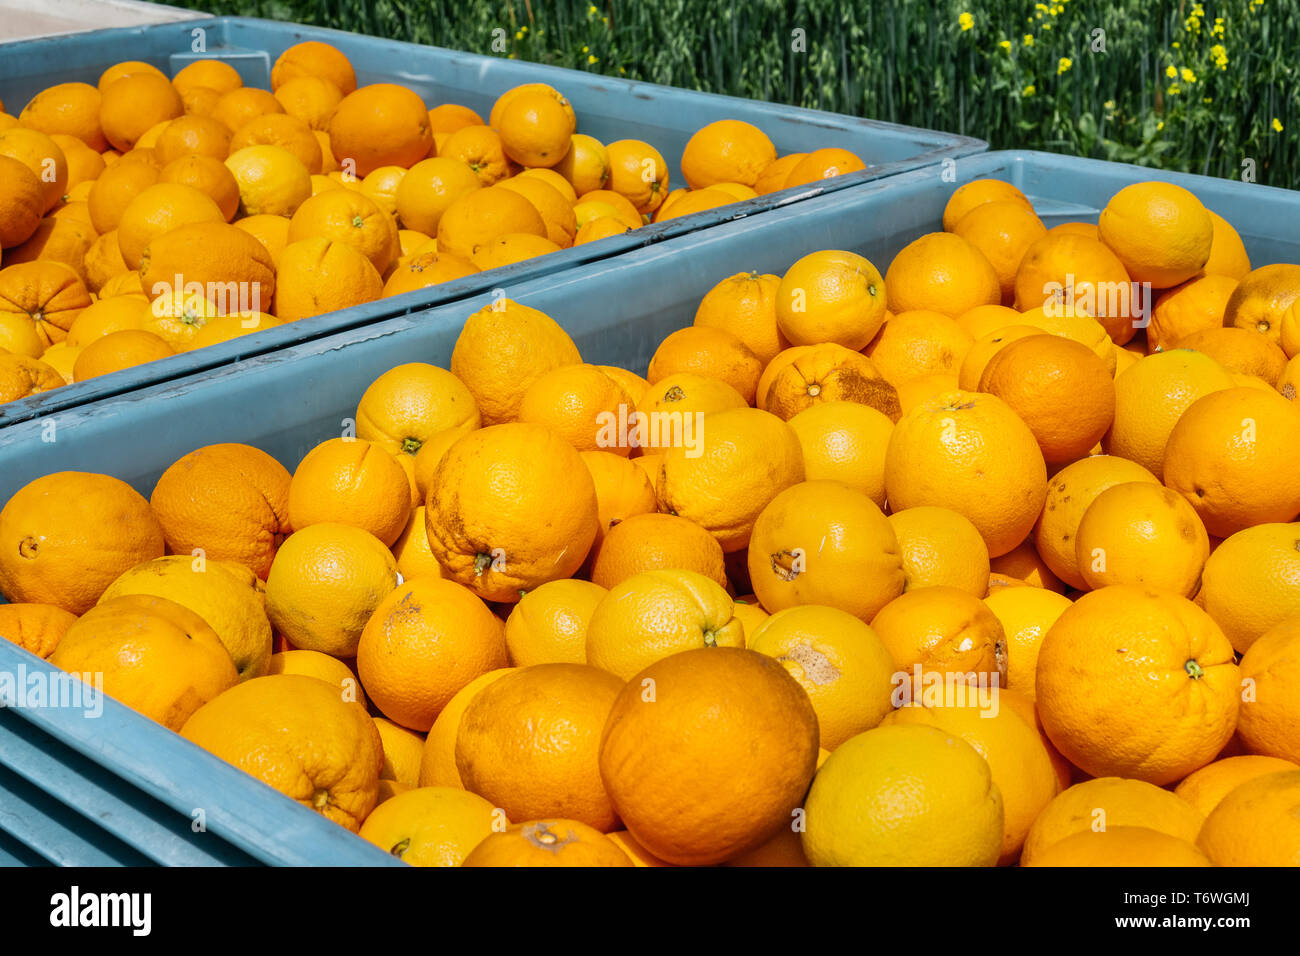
(617, 312)
(607, 108)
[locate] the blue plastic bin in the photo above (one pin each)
(607, 108)
(617, 312)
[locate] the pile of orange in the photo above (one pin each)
(316, 195)
(972, 530)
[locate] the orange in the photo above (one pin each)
(1077, 326)
(429, 188)
(773, 176)
(410, 404)
(579, 403)
(1270, 671)
(152, 654)
(42, 156)
(214, 74)
(912, 344)
(317, 275)
(649, 542)
(224, 328)
(745, 459)
(731, 786)
(823, 164)
(126, 68)
(556, 210)
(132, 105)
(287, 132)
(976, 193)
(831, 296)
(411, 549)
(1076, 274)
(1109, 804)
(838, 660)
(424, 642)
(1160, 232)
(323, 667)
(1088, 229)
(192, 136)
(430, 826)
(1197, 304)
(669, 414)
(969, 452)
(1251, 582)
(845, 442)
(624, 487)
(479, 148)
(177, 317)
(551, 178)
(510, 248)
(449, 117)
(632, 383)
(1026, 615)
(638, 172)
(1059, 388)
(296, 734)
(313, 58)
(47, 293)
(352, 218)
(84, 164)
(553, 842)
(939, 630)
(272, 180)
(1206, 788)
(71, 109)
(477, 218)
(940, 547)
(536, 128)
(209, 176)
(1227, 252)
(58, 238)
(382, 186)
(502, 349)
(600, 203)
(1138, 683)
(312, 99)
(1142, 534)
(1239, 351)
(586, 164)
(1255, 824)
(114, 189)
(985, 349)
(549, 624)
(655, 614)
(943, 273)
(726, 151)
(438, 762)
(427, 269)
(353, 482)
(1150, 398)
(19, 336)
(200, 101)
(159, 209)
(510, 508)
(231, 501)
(1228, 456)
(1002, 230)
(22, 202)
(822, 542)
(325, 583)
(1121, 846)
(381, 124)
(1261, 299)
(638, 854)
(953, 815)
(712, 352)
(36, 628)
(802, 377)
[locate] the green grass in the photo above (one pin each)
(920, 63)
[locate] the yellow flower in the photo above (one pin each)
(1063, 65)
(584, 49)
(1277, 125)
(1175, 44)
(1028, 90)
(593, 59)
(1207, 100)
(1029, 39)
(519, 34)
(1187, 75)
(592, 11)
(1040, 7)
(1005, 44)
(965, 21)
(1160, 126)
(1109, 104)
(1171, 71)
(1174, 90)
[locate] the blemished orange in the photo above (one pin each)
(1120, 847)
(530, 742)
(745, 458)
(511, 507)
(1267, 724)
(578, 403)
(941, 272)
(314, 58)
(969, 452)
(940, 630)
(976, 193)
(1251, 583)
(1059, 388)
(209, 176)
(1138, 683)
(831, 296)
(804, 376)
(272, 180)
(412, 403)
(350, 481)
(549, 624)
(731, 787)
(430, 826)
(479, 148)
(49, 294)
(823, 163)
(1261, 300)
(838, 660)
(726, 151)
(586, 164)
(1106, 804)
(426, 640)
(846, 442)
(36, 628)
(438, 762)
(229, 500)
(287, 132)
(553, 842)
(536, 128)
(1002, 230)
(66, 536)
(655, 614)
(1026, 615)
(910, 345)
(1239, 351)
(381, 124)
(322, 666)
(650, 542)
(1206, 788)
(1199, 303)
(1160, 232)
(297, 735)
(938, 546)
(624, 488)
(1076, 274)
(1229, 457)
(318, 275)
(312, 99)
(1256, 824)
(1142, 534)
(822, 542)
(511, 247)
(957, 819)
(325, 583)
(709, 351)
(478, 217)
(155, 656)
(352, 218)
(1227, 252)
(70, 109)
(669, 412)
(132, 105)
(638, 172)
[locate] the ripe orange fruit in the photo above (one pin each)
(823, 164)
(715, 794)
(1078, 275)
(1261, 299)
(838, 660)
(135, 103)
(804, 376)
(1251, 582)
(831, 296)
(381, 124)
(1160, 231)
(552, 205)
(350, 481)
(48, 295)
(323, 667)
(159, 209)
(1227, 252)
(213, 259)
(61, 237)
(1240, 351)
(956, 819)
(1142, 534)
(352, 218)
(586, 164)
(976, 193)
(1228, 456)
(479, 148)
(43, 157)
(1026, 615)
(449, 117)
(845, 442)
(1197, 304)
(745, 459)
(601, 227)
(214, 74)
(941, 272)
(624, 487)
(549, 624)
(22, 202)
(154, 655)
(210, 177)
(711, 352)
(654, 614)
(287, 132)
(510, 248)
(313, 58)
(510, 508)
(912, 344)
(774, 175)
(475, 219)
(427, 269)
(324, 585)
(1255, 824)
(126, 68)
(410, 404)
(822, 542)
(36, 628)
(941, 630)
(1002, 230)
(438, 762)
(272, 180)
(969, 452)
(70, 109)
(745, 305)
(638, 172)
(318, 275)
(84, 165)
(1137, 683)
(670, 411)
(297, 735)
(580, 403)
(938, 546)
(1206, 788)
(312, 99)
(1267, 722)
(430, 826)
(114, 189)
(1121, 846)
(424, 642)
(726, 151)
(554, 842)
(985, 348)
(536, 128)
(650, 542)
(600, 203)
